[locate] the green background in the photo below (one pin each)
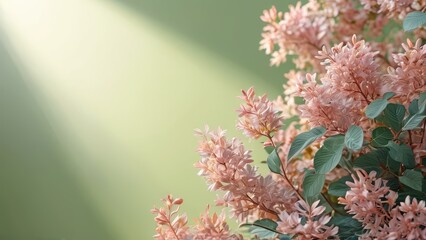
(98, 102)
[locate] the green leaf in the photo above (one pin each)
(401, 153)
(328, 156)
(312, 184)
(262, 233)
(354, 138)
(284, 237)
(348, 227)
(407, 191)
(412, 193)
(369, 162)
(375, 108)
(422, 103)
(414, 107)
(269, 149)
(413, 121)
(263, 228)
(274, 162)
(387, 161)
(303, 140)
(388, 95)
(412, 179)
(339, 187)
(381, 137)
(394, 115)
(393, 184)
(414, 20)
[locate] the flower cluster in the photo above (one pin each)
(373, 204)
(257, 117)
(346, 144)
(213, 227)
(225, 165)
(315, 226)
(395, 9)
(299, 31)
(171, 226)
(351, 68)
(408, 78)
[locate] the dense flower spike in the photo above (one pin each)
(326, 107)
(395, 9)
(408, 79)
(171, 226)
(213, 227)
(300, 31)
(314, 226)
(225, 165)
(351, 82)
(257, 117)
(364, 199)
(373, 204)
(351, 69)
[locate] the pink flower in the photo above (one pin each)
(326, 106)
(366, 199)
(394, 9)
(213, 227)
(315, 226)
(301, 31)
(271, 15)
(225, 165)
(352, 80)
(408, 79)
(169, 225)
(257, 117)
(352, 71)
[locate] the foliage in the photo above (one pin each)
(350, 161)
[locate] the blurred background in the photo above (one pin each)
(98, 103)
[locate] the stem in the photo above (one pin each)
(411, 140)
(359, 88)
(171, 226)
(261, 206)
(284, 175)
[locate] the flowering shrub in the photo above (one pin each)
(346, 145)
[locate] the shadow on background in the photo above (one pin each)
(39, 196)
(231, 29)
(116, 91)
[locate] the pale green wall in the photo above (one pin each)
(98, 102)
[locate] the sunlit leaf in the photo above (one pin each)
(328, 156)
(375, 108)
(414, 20)
(393, 116)
(354, 138)
(274, 162)
(381, 136)
(312, 184)
(263, 228)
(303, 140)
(413, 122)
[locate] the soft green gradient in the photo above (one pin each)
(99, 105)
